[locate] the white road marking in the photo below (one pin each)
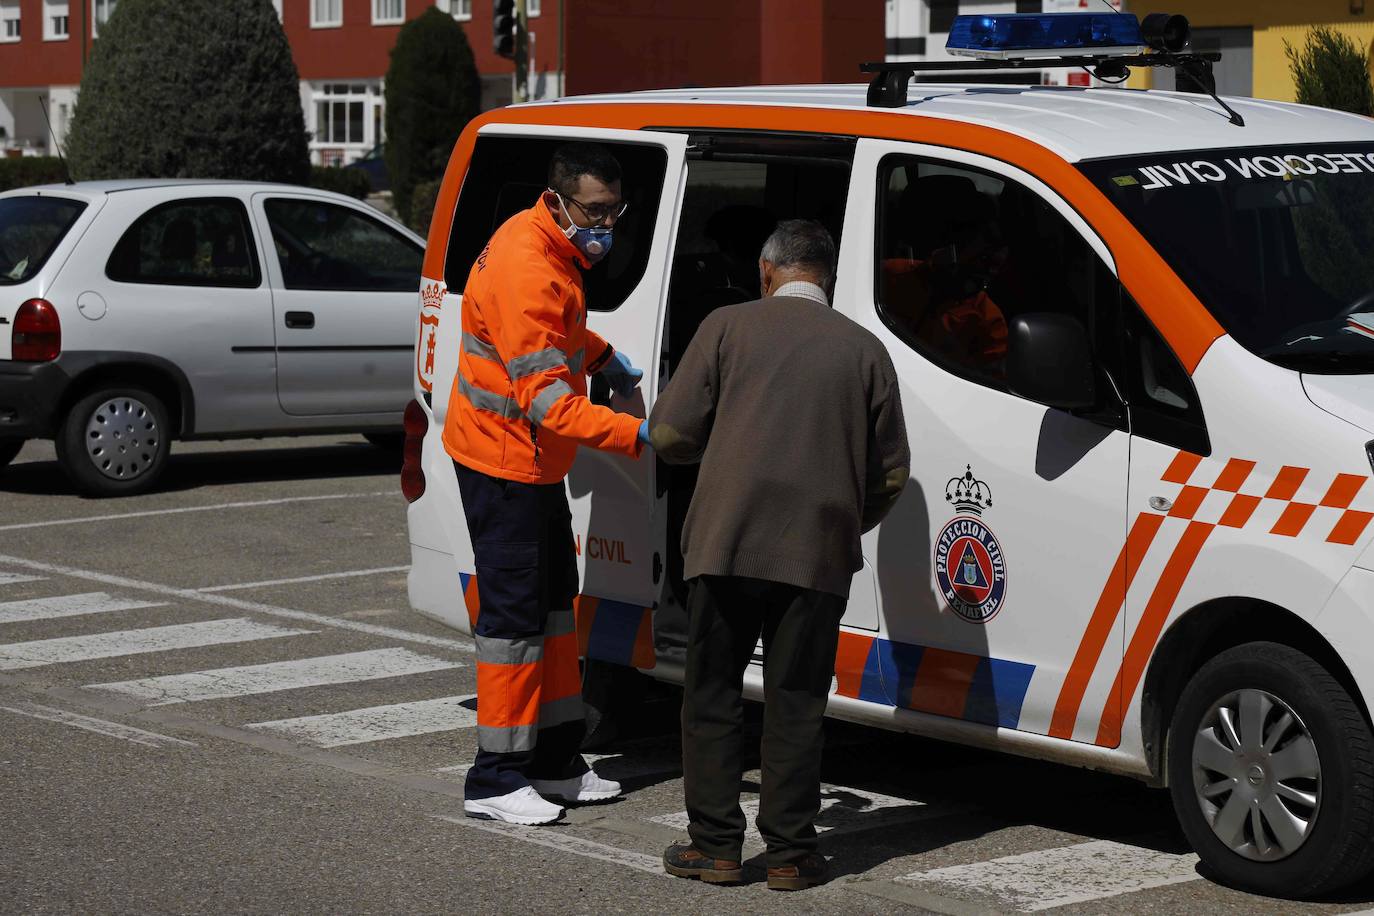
(842, 809)
(178, 511)
(7, 578)
(338, 575)
(117, 643)
(99, 726)
(1049, 878)
(189, 594)
(564, 842)
(249, 680)
(378, 723)
(67, 606)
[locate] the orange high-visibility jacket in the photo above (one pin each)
(519, 406)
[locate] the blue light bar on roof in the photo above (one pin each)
(1036, 35)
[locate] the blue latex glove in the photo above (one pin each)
(644, 434)
(621, 375)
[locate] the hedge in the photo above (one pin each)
(352, 182)
(30, 170)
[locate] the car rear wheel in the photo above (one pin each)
(9, 449)
(1271, 769)
(113, 442)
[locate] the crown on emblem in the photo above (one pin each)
(968, 493)
(432, 296)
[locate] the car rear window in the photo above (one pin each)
(30, 230)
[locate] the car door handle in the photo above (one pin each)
(300, 319)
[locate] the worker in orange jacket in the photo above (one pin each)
(517, 413)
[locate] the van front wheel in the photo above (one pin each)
(1271, 770)
(113, 442)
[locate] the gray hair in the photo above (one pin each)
(801, 243)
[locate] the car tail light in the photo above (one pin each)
(412, 474)
(37, 334)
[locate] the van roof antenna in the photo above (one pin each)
(66, 172)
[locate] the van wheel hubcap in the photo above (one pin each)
(122, 438)
(1257, 775)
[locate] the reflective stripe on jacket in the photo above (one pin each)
(519, 405)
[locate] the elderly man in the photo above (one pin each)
(794, 413)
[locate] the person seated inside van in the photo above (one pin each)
(936, 282)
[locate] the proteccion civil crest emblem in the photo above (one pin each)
(969, 564)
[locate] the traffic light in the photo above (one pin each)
(503, 27)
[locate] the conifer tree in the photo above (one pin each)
(432, 91)
(190, 89)
(1331, 71)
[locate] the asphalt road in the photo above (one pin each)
(215, 698)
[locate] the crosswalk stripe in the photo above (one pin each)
(379, 723)
(99, 726)
(1063, 875)
(843, 810)
(117, 643)
(67, 606)
(7, 578)
(247, 680)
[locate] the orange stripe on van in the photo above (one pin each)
(1171, 306)
(584, 610)
(1147, 631)
(851, 654)
(644, 657)
(1109, 605)
(942, 682)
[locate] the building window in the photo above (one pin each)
(388, 12)
(55, 23)
(458, 9)
(325, 14)
(532, 8)
(100, 14)
(346, 120)
(9, 20)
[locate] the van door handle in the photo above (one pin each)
(300, 319)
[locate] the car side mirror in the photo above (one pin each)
(1049, 360)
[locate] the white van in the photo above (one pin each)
(1136, 539)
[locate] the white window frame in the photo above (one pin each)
(378, 12)
(458, 9)
(53, 11)
(533, 8)
(11, 11)
(318, 23)
(96, 7)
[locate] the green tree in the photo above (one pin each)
(432, 91)
(1331, 71)
(190, 89)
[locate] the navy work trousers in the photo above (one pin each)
(529, 691)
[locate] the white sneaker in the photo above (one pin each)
(585, 788)
(523, 806)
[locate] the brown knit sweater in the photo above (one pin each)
(793, 411)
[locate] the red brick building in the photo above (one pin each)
(342, 49)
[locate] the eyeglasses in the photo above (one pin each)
(598, 213)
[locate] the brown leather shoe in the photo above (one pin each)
(809, 872)
(684, 860)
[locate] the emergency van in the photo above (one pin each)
(1137, 535)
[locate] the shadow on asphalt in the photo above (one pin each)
(203, 469)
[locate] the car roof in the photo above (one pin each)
(114, 186)
(1077, 123)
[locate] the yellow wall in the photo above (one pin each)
(1274, 22)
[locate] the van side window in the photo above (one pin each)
(508, 175)
(328, 247)
(1163, 403)
(200, 242)
(961, 252)
(732, 202)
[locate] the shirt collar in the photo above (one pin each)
(803, 289)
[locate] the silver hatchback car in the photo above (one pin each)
(133, 313)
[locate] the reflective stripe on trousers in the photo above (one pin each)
(526, 684)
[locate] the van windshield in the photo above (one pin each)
(30, 229)
(1277, 242)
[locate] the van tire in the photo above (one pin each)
(131, 458)
(9, 450)
(1338, 848)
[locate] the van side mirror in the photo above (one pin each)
(1050, 361)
